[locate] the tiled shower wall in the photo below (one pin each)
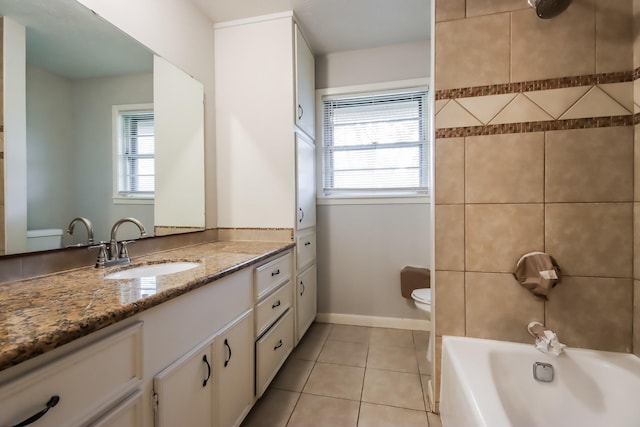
(535, 151)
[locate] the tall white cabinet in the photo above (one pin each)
(265, 132)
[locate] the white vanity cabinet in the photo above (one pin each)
(234, 371)
(305, 182)
(88, 382)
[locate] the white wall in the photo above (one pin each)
(93, 165)
(180, 33)
(50, 155)
(362, 248)
(387, 63)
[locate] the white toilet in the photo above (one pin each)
(422, 300)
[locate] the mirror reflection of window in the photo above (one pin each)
(135, 152)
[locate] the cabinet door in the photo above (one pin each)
(305, 86)
(306, 300)
(234, 369)
(183, 391)
(305, 182)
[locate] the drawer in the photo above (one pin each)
(306, 249)
(272, 350)
(87, 382)
(268, 276)
(272, 307)
(127, 413)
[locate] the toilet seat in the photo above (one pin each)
(422, 295)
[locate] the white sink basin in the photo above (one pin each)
(152, 270)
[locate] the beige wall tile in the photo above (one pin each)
(499, 308)
(558, 47)
(486, 7)
(486, 107)
(636, 317)
(449, 239)
(497, 235)
(590, 239)
(472, 52)
(636, 161)
(596, 103)
(557, 101)
(504, 168)
(520, 110)
(591, 312)
(636, 240)
(621, 92)
(589, 165)
(449, 179)
(447, 10)
(449, 297)
(453, 115)
(614, 35)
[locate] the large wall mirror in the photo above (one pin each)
(68, 77)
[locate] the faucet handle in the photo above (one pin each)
(124, 251)
(102, 254)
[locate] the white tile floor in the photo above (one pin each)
(350, 376)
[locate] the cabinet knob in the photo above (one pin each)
(35, 417)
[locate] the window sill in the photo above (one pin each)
(133, 201)
(369, 199)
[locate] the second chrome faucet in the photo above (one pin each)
(115, 252)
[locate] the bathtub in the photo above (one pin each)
(489, 383)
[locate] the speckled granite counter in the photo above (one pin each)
(40, 314)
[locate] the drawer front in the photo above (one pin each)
(306, 250)
(272, 350)
(268, 276)
(87, 382)
(272, 307)
(127, 414)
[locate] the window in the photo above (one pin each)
(135, 147)
(376, 144)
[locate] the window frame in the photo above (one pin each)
(374, 196)
(118, 197)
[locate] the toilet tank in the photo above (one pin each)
(45, 239)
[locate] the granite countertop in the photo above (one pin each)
(43, 313)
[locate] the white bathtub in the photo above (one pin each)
(489, 383)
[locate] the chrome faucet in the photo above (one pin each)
(546, 341)
(115, 252)
(86, 223)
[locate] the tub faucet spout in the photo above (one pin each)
(546, 341)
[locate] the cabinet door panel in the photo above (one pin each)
(306, 183)
(234, 368)
(305, 86)
(306, 300)
(184, 390)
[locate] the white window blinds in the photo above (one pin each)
(136, 154)
(375, 144)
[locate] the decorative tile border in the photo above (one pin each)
(529, 86)
(544, 126)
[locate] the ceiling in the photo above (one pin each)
(338, 25)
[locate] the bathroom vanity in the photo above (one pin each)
(195, 348)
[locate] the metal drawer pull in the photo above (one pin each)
(307, 243)
(226, 343)
(277, 304)
(32, 419)
(278, 345)
(301, 215)
(300, 111)
(302, 284)
(275, 273)
(204, 359)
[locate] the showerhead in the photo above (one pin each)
(546, 9)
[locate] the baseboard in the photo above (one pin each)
(375, 321)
